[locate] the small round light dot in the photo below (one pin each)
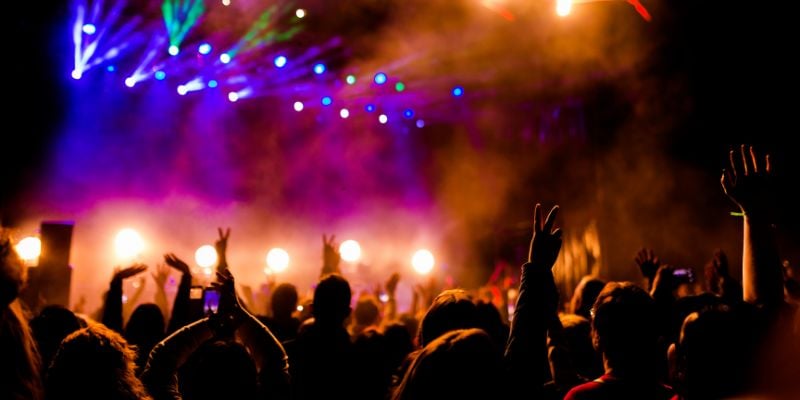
(298, 106)
(383, 118)
(351, 79)
(344, 113)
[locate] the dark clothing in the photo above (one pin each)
(283, 329)
(608, 387)
(321, 363)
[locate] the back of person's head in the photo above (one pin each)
(367, 310)
(585, 295)
(146, 325)
(372, 368)
(332, 298)
(452, 309)
(710, 358)
(50, 327)
(460, 364)
(284, 300)
(491, 321)
(220, 370)
(625, 329)
(399, 343)
(577, 340)
(94, 363)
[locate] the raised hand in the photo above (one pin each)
(747, 181)
(133, 270)
(161, 275)
(545, 242)
(330, 255)
(173, 261)
(648, 263)
(391, 284)
(664, 282)
(221, 245)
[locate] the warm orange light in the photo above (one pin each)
(563, 7)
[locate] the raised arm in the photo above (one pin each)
(330, 256)
(160, 277)
(112, 308)
(537, 304)
(221, 245)
(181, 309)
(748, 184)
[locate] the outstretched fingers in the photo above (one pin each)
(551, 219)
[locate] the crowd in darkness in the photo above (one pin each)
(611, 340)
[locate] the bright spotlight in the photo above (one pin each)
(344, 113)
(420, 123)
(224, 58)
(160, 75)
(130, 81)
(128, 244)
(206, 256)
(89, 29)
(319, 68)
(350, 250)
(280, 61)
(563, 7)
(422, 261)
(278, 260)
(300, 13)
(76, 74)
(173, 50)
(458, 91)
(226, 2)
(350, 79)
(233, 96)
(380, 78)
(326, 101)
(298, 106)
(204, 48)
(383, 118)
(182, 90)
(29, 249)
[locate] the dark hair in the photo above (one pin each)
(220, 370)
(332, 300)
(451, 309)
(145, 329)
(283, 300)
(367, 311)
(50, 327)
(585, 295)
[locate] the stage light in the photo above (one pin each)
(420, 124)
(204, 48)
(350, 250)
(399, 86)
(130, 81)
(344, 113)
(128, 244)
(408, 113)
(326, 101)
(160, 75)
(233, 96)
(76, 74)
(89, 29)
(300, 13)
(319, 69)
(207, 272)
(298, 106)
(380, 78)
(224, 58)
(182, 90)
(111, 68)
(226, 2)
(563, 7)
(458, 91)
(383, 118)
(280, 61)
(423, 261)
(213, 83)
(206, 256)
(29, 249)
(173, 50)
(351, 79)
(278, 260)
(369, 108)
(300, 308)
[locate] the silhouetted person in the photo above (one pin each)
(585, 295)
(372, 366)
(50, 327)
(366, 314)
(283, 303)
(145, 329)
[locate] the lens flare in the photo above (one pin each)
(206, 256)
(423, 261)
(278, 260)
(350, 250)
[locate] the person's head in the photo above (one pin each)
(460, 364)
(577, 340)
(399, 343)
(332, 298)
(624, 329)
(585, 295)
(367, 311)
(220, 370)
(146, 325)
(451, 309)
(50, 327)
(709, 360)
(490, 320)
(94, 363)
(284, 301)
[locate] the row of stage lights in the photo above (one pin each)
(129, 245)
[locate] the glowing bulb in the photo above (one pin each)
(408, 113)
(128, 244)
(423, 261)
(458, 91)
(369, 108)
(89, 29)
(224, 58)
(233, 96)
(399, 86)
(350, 250)
(563, 7)
(182, 90)
(213, 83)
(160, 75)
(204, 48)
(326, 101)
(278, 260)
(226, 2)
(111, 68)
(420, 124)
(319, 69)
(351, 79)
(383, 118)
(76, 74)
(383, 297)
(300, 13)
(206, 256)
(344, 113)
(380, 78)
(130, 81)
(173, 50)
(280, 61)
(298, 106)
(29, 249)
